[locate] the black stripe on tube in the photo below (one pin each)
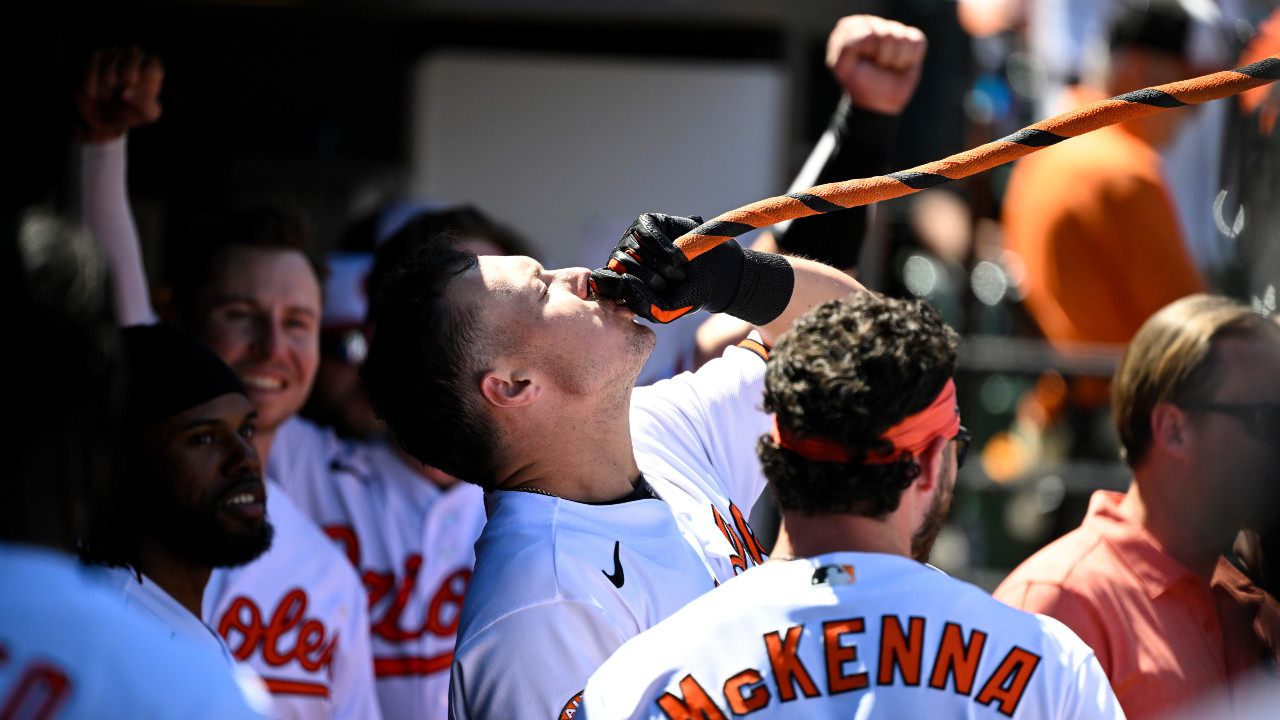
(918, 180)
(1033, 137)
(722, 228)
(1151, 96)
(815, 203)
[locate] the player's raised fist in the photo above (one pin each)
(120, 91)
(877, 61)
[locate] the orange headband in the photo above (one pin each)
(913, 434)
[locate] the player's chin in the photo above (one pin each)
(242, 545)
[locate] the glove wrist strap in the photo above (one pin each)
(727, 275)
(763, 288)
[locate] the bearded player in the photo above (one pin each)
(846, 620)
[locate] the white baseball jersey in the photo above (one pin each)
(413, 545)
(297, 616)
(71, 649)
(560, 585)
(140, 593)
(852, 635)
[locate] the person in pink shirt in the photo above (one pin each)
(1143, 580)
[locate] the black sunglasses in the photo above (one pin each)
(1262, 419)
(962, 438)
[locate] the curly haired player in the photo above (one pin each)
(847, 621)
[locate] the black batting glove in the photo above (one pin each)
(647, 250)
(649, 274)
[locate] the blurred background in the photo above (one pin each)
(567, 118)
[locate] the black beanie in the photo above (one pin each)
(170, 372)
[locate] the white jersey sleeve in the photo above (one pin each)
(105, 209)
(1086, 689)
(298, 616)
(705, 424)
(70, 649)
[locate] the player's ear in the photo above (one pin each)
(931, 465)
(506, 386)
(1169, 425)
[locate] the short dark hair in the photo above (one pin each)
(424, 365)
(848, 371)
(452, 225)
(265, 225)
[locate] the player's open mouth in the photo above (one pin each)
(262, 382)
(247, 500)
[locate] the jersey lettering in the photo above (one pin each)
(38, 693)
(787, 667)
(345, 537)
(746, 692)
(570, 709)
(243, 628)
(1010, 680)
(749, 541)
(901, 653)
(900, 650)
(390, 596)
(387, 623)
(695, 703)
(957, 659)
(839, 654)
(747, 550)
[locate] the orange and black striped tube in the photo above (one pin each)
(852, 193)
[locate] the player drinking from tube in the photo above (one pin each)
(609, 507)
(862, 458)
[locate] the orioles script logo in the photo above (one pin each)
(390, 596)
(38, 692)
(288, 635)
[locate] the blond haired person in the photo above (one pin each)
(1197, 405)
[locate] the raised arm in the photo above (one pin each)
(120, 91)
(877, 63)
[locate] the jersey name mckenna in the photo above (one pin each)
(949, 665)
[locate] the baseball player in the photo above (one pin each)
(252, 294)
(608, 510)
(846, 620)
(69, 646)
(412, 541)
(190, 494)
(410, 530)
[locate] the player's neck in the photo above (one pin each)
(1176, 527)
(183, 580)
(583, 462)
(576, 447)
(802, 536)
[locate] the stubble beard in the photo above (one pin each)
(934, 519)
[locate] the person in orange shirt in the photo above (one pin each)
(1091, 219)
(1098, 236)
(1142, 581)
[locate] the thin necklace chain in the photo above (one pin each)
(536, 491)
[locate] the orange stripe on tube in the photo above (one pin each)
(862, 191)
